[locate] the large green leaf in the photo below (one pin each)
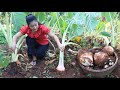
(41, 16)
(106, 15)
(18, 20)
(62, 24)
(106, 34)
(70, 14)
(101, 26)
(92, 20)
(88, 19)
(54, 16)
(92, 24)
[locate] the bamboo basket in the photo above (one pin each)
(100, 73)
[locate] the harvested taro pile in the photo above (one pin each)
(97, 58)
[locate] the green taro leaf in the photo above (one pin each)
(106, 34)
(18, 20)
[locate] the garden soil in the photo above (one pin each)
(46, 68)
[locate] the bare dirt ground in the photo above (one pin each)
(47, 67)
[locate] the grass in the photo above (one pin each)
(4, 60)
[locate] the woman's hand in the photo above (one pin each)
(61, 47)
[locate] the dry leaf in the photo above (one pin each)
(73, 52)
(49, 62)
(51, 55)
(73, 63)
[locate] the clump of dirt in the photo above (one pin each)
(13, 71)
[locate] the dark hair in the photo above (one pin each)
(30, 18)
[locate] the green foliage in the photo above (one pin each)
(90, 20)
(106, 34)
(106, 15)
(4, 60)
(41, 16)
(113, 40)
(70, 14)
(18, 19)
(15, 54)
(1, 56)
(7, 29)
(53, 16)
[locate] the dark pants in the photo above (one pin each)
(35, 49)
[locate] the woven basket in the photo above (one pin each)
(100, 73)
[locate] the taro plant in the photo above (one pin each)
(88, 21)
(18, 19)
(64, 27)
(77, 24)
(18, 16)
(117, 34)
(7, 31)
(113, 29)
(95, 26)
(4, 60)
(15, 54)
(110, 30)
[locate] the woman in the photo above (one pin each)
(37, 41)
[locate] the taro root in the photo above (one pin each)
(106, 66)
(109, 50)
(100, 58)
(85, 57)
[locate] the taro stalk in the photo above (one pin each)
(8, 36)
(6, 30)
(18, 16)
(60, 66)
(113, 31)
(117, 34)
(52, 23)
(111, 17)
(15, 54)
(64, 27)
